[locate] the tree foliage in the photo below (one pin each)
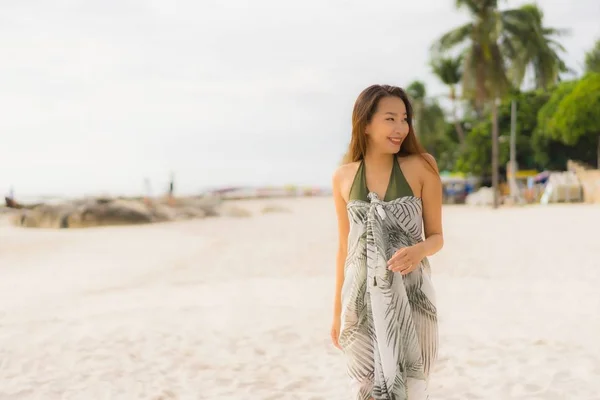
(577, 114)
(555, 122)
(592, 58)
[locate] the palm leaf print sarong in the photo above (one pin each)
(389, 331)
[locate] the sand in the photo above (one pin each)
(240, 308)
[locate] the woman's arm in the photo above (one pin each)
(431, 196)
(343, 229)
(407, 259)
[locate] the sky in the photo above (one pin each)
(96, 96)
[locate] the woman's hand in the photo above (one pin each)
(335, 332)
(406, 260)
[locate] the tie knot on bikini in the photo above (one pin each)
(373, 197)
(376, 203)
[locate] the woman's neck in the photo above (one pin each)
(379, 161)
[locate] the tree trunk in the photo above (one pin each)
(598, 154)
(459, 130)
(458, 126)
(495, 172)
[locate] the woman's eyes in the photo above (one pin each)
(391, 119)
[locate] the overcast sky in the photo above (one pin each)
(97, 95)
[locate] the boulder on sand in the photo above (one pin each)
(115, 212)
(80, 214)
(42, 216)
(105, 211)
(234, 212)
(274, 208)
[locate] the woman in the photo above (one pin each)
(385, 318)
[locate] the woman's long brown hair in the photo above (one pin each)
(364, 109)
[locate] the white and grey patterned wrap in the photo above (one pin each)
(389, 331)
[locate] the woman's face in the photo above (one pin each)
(389, 126)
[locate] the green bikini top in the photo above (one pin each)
(397, 187)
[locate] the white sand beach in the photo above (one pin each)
(240, 308)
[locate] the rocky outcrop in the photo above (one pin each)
(95, 212)
(103, 212)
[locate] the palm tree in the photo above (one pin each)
(428, 119)
(592, 58)
(540, 52)
(494, 41)
(449, 70)
(416, 91)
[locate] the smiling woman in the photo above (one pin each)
(385, 318)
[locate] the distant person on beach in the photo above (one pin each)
(385, 317)
(171, 196)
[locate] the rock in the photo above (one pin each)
(163, 213)
(43, 216)
(274, 208)
(84, 213)
(189, 213)
(208, 204)
(116, 212)
(93, 212)
(234, 211)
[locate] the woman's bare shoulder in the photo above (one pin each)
(345, 171)
(425, 163)
(343, 177)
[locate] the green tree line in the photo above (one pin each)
(484, 64)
